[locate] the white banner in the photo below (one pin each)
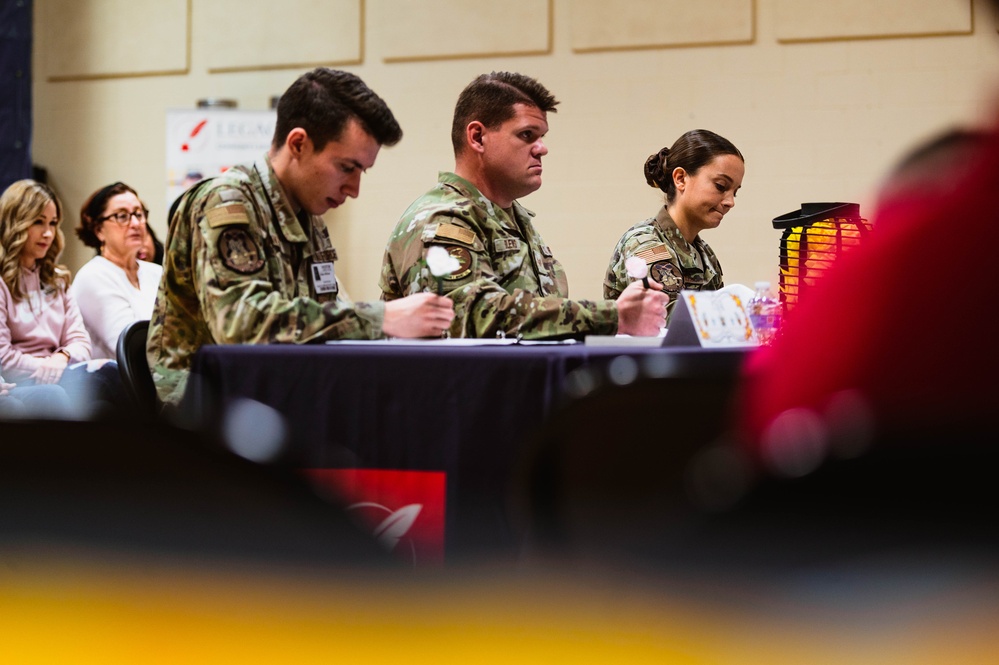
(206, 142)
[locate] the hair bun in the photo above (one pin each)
(655, 169)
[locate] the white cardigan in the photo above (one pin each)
(109, 302)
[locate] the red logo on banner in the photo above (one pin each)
(404, 510)
(186, 147)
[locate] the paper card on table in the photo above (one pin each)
(711, 319)
(621, 341)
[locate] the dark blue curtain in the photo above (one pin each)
(15, 91)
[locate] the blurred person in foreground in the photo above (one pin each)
(898, 336)
(249, 260)
(700, 175)
(115, 287)
(504, 279)
(917, 174)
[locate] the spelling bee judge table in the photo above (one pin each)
(421, 439)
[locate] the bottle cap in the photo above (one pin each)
(217, 103)
(762, 285)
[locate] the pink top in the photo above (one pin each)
(38, 326)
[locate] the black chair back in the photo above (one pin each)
(134, 369)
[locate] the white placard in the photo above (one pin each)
(712, 319)
(206, 142)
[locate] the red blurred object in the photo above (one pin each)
(902, 324)
(404, 510)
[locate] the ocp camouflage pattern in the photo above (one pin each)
(508, 282)
(238, 271)
(672, 261)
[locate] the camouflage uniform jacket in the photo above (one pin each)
(672, 261)
(241, 269)
(508, 281)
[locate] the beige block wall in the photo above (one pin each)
(817, 120)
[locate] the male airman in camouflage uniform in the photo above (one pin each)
(672, 261)
(507, 280)
(249, 260)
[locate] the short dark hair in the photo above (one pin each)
(490, 99)
(322, 102)
(93, 210)
(690, 152)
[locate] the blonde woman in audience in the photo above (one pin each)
(42, 336)
(114, 288)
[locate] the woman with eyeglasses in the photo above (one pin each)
(114, 288)
(41, 330)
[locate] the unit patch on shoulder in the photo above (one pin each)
(239, 252)
(464, 262)
(667, 274)
(454, 232)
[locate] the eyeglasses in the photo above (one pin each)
(123, 217)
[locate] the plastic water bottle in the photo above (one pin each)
(764, 313)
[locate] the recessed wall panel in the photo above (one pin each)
(114, 38)
(598, 25)
(815, 20)
(435, 29)
(244, 35)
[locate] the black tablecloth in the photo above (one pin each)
(467, 411)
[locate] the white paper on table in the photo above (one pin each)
(720, 317)
(451, 341)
